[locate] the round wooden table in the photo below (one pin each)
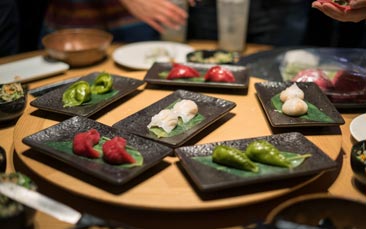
(167, 195)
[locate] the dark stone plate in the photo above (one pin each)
(266, 65)
(210, 179)
(313, 94)
(151, 151)
(52, 101)
(239, 72)
(210, 107)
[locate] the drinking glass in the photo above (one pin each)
(232, 17)
(176, 35)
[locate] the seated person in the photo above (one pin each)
(270, 22)
(282, 23)
(9, 28)
(127, 20)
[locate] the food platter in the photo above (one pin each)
(166, 187)
(313, 95)
(141, 55)
(239, 72)
(151, 152)
(52, 101)
(207, 178)
(210, 107)
(267, 65)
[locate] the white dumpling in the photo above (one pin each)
(165, 119)
(291, 92)
(295, 107)
(186, 109)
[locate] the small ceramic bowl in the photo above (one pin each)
(319, 210)
(14, 215)
(78, 47)
(12, 109)
(358, 161)
(213, 57)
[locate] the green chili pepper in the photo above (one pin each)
(102, 84)
(264, 152)
(76, 94)
(234, 158)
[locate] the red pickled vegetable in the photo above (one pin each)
(317, 76)
(114, 151)
(182, 71)
(219, 74)
(83, 143)
(340, 4)
(349, 82)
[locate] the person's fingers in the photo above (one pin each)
(155, 25)
(357, 4)
(316, 5)
(354, 15)
(192, 2)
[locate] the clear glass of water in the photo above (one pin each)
(176, 35)
(232, 24)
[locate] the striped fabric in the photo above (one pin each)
(103, 14)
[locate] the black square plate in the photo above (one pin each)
(151, 151)
(239, 72)
(210, 107)
(52, 101)
(211, 179)
(313, 94)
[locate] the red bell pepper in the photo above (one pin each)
(83, 143)
(114, 151)
(340, 4)
(182, 71)
(219, 74)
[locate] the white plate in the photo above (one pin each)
(142, 55)
(358, 127)
(30, 69)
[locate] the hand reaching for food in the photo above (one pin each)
(342, 10)
(157, 13)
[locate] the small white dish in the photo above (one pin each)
(358, 127)
(30, 69)
(142, 55)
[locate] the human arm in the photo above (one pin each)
(356, 13)
(157, 13)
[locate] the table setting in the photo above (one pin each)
(174, 174)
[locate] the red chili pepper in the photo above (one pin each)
(83, 143)
(182, 71)
(339, 6)
(219, 74)
(114, 151)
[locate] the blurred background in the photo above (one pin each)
(278, 23)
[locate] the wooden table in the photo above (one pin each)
(192, 211)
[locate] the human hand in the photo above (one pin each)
(356, 13)
(157, 13)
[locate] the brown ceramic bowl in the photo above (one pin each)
(77, 47)
(319, 210)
